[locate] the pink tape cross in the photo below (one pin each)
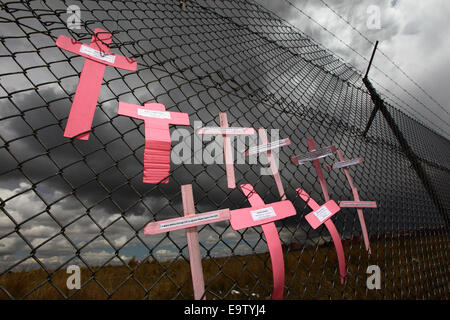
(190, 222)
(321, 215)
(97, 56)
(344, 164)
(264, 215)
(314, 155)
(226, 131)
(267, 147)
(157, 137)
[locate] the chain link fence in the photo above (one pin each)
(69, 202)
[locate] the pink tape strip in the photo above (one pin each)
(86, 96)
(157, 137)
(226, 131)
(357, 203)
(264, 215)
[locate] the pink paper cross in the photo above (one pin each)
(321, 215)
(314, 155)
(226, 131)
(190, 222)
(267, 147)
(264, 215)
(97, 56)
(157, 137)
(344, 164)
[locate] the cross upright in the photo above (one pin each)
(226, 131)
(97, 56)
(267, 148)
(157, 137)
(264, 215)
(357, 203)
(190, 222)
(314, 155)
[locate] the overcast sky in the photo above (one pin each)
(414, 34)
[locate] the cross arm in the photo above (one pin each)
(93, 52)
(344, 164)
(313, 155)
(130, 110)
(186, 222)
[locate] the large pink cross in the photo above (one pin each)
(264, 215)
(190, 222)
(357, 203)
(226, 131)
(314, 155)
(267, 148)
(157, 137)
(97, 56)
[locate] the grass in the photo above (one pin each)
(411, 268)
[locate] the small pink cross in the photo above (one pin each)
(321, 215)
(190, 222)
(97, 56)
(314, 155)
(226, 131)
(267, 147)
(344, 164)
(264, 215)
(157, 137)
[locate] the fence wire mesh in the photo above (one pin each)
(66, 202)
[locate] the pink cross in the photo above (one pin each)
(321, 215)
(226, 131)
(314, 155)
(97, 56)
(344, 164)
(157, 137)
(267, 147)
(190, 222)
(264, 215)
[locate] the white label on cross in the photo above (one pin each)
(347, 163)
(322, 213)
(154, 114)
(269, 146)
(189, 220)
(97, 54)
(263, 213)
(356, 203)
(222, 130)
(314, 155)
